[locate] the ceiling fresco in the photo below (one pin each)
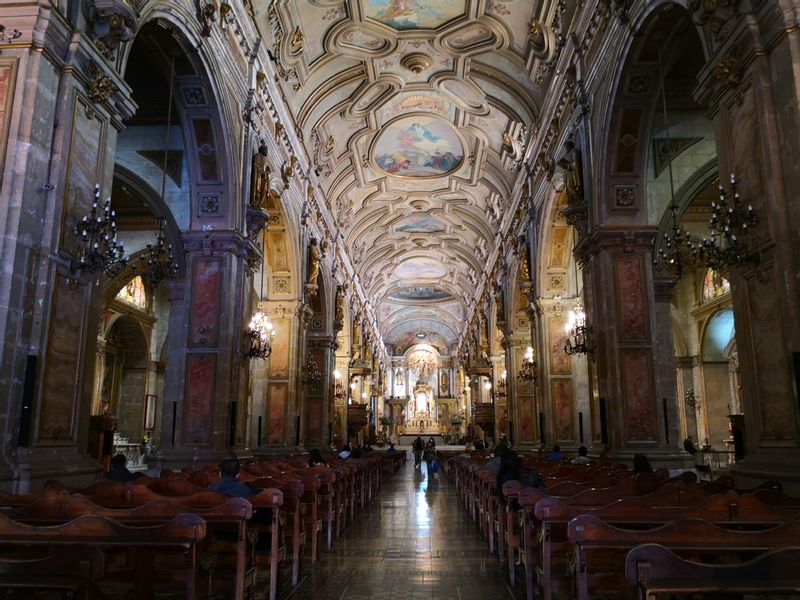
(407, 108)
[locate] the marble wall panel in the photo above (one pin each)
(631, 297)
(206, 288)
(773, 379)
(198, 410)
(61, 379)
(563, 408)
(638, 393)
(83, 169)
(277, 407)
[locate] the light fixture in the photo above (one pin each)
(312, 373)
(501, 385)
(98, 250)
(158, 261)
(487, 385)
(337, 375)
(579, 334)
(730, 224)
(260, 330)
(528, 370)
(675, 253)
(259, 336)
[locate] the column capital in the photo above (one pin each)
(607, 238)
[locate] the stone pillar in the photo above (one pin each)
(635, 375)
(750, 86)
(206, 365)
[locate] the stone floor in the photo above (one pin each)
(413, 541)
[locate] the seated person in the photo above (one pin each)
(356, 453)
(641, 464)
(392, 449)
(555, 455)
(582, 458)
(509, 470)
(688, 445)
(494, 464)
(479, 445)
(315, 458)
(119, 471)
(345, 453)
(229, 484)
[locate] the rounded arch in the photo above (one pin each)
(718, 331)
(200, 112)
(665, 34)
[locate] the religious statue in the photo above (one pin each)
(500, 304)
(259, 179)
(444, 384)
(314, 260)
(573, 174)
(338, 314)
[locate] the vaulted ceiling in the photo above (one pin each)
(415, 113)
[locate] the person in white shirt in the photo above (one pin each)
(582, 457)
(345, 453)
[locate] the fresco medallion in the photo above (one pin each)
(414, 14)
(420, 224)
(419, 146)
(420, 268)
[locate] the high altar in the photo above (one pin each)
(422, 411)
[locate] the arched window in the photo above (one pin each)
(133, 293)
(714, 285)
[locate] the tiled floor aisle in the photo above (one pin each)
(413, 541)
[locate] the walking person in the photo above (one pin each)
(430, 456)
(418, 446)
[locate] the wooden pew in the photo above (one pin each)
(601, 548)
(655, 570)
(177, 538)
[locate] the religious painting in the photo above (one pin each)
(199, 403)
(560, 361)
(7, 77)
(206, 153)
(558, 248)
(637, 384)
(414, 14)
(420, 224)
(419, 146)
(563, 409)
(630, 274)
(279, 359)
(420, 268)
(444, 384)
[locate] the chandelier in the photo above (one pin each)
(730, 225)
(98, 250)
(260, 330)
(528, 371)
(312, 374)
(579, 334)
(675, 253)
(259, 336)
(501, 386)
(158, 262)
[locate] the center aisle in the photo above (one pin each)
(413, 541)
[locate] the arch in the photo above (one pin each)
(148, 195)
(718, 331)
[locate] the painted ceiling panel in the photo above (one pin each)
(404, 106)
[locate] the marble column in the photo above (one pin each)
(633, 359)
(750, 87)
